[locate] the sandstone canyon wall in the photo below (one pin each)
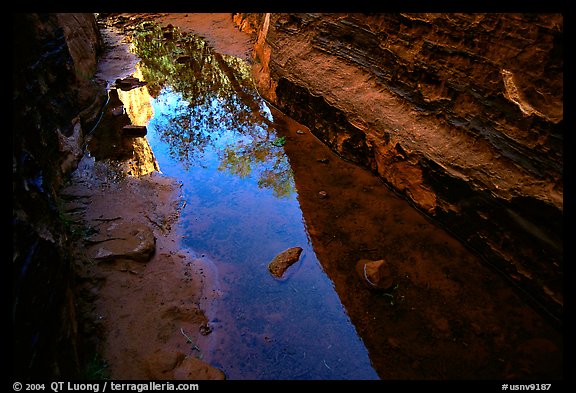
(462, 114)
(55, 102)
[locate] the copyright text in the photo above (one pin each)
(101, 387)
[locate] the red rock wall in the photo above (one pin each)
(460, 113)
(54, 101)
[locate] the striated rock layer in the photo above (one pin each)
(460, 113)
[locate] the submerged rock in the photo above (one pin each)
(283, 261)
(375, 274)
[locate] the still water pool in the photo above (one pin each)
(209, 128)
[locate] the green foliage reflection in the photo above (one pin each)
(218, 108)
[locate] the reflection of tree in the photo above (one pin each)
(219, 107)
(275, 172)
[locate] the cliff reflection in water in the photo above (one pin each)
(130, 155)
(212, 132)
(210, 108)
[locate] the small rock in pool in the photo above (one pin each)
(323, 194)
(300, 132)
(375, 274)
(205, 330)
(283, 261)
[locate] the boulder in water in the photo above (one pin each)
(283, 261)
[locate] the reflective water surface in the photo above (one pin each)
(208, 127)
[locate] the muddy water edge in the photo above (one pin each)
(448, 316)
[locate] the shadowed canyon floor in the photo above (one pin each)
(447, 316)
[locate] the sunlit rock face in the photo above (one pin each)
(54, 104)
(460, 113)
(137, 102)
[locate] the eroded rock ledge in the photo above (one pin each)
(460, 113)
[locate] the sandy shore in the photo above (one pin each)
(143, 313)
